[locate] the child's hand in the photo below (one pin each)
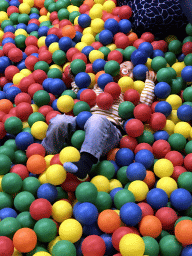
(151, 75)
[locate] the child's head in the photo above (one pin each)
(126, 69)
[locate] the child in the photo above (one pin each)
(102, 129)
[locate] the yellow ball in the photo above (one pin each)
(24, 8)
(173, 116)
(168, 184)
(126, 83)
(80, 46)
(61, 210)
(76, 21)
(69, 154)
(108, 6)
(3, 16)
(131, 245)
(34, 107)
(169, 127)
(183, 128)
(99, 1)
(43, 18)
(98, 5)
(25, 125)
(42, 178)
(139, 86)
(48, 160)
(92, 80)
(88, 39)
(163, 168)
(111, 47)
(65, 103)
(56, 66)
(29, 2)
(114, 183)
(88, 30)
(72, 8)
(139, 189)
(70, 230)
(101, 183)
(148, 63)
(66, 64)
(39, 129)
(97, 25)
(178, 66)
(95, 13)
(42, 254)
(41, 41)
(25, 72)
(1, 177)
(54, 47)
(175, 101)
(94, 55)
(17, 78)
(16, 252)
(52, 243)
(21, 31)
(56, 174)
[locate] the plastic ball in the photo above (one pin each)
(139, 71)
(139, 189)
(69, 154)
(157, 121)
(39, 129)
(167, 184)
(66, 246)
(116, 56)
(70, 230)
(186, 250)
(94, 55)
(7, 212)
(136, 171)
(134, 128)
(103, 80)
(25, 240)
(163, 168)
(132, 244)
(65, 103)
(167, 216)
(138, 57)
(124, 157)
(6, 246)
(133, 211)
(45, 230)
(109, 221)
(94, 245)
(186, 73)
(184, 113)
(183, 232)
(170, 245)
(112, 67)
(23, 140)
(177, 142)
(104, 101)
(144, 157)
(82, 80)
(101, 183)
(11, 183)
(89, 196)
(157, 198)
(77, 66)
(150, 226)
(181, 199)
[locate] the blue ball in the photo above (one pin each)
(46, 83)
(106, 37)
(139, 72)
(147, 47)
(65, 43)
(184, 113)
(187, 250)
(4, 63)
(77, 37)
(162, 90)
(164, 108)
(51, 39)
(157, 198)
(57, 87)
(130, 214)
(6, 86)
(125, 26)
(98, 65)
(115, 165)
(158, 52)
(35, 54)
(110, 250)
(25, 55)
(21, 26)
(86, 213)
(87, 49)
(79, 93)
(144, 157)
(186, 74)
(92, 229)
(103, 80)
(181, 199)
(21, 65)
(34, 16)
(7, 212)
(114, 191)
(112, 25)
(181, 57)
(84, 20)
(136, 171)
(12, 92)
(161, 135)
(47, 191)
(14, 3)
(82, 118)
(42, 31)
(82, 80)
(32, 27)
(124, 157)
(54, 105)
(9, 29)
(23, 140)
(75, 207)
(139, 57)
(2, 95)
(8, 40)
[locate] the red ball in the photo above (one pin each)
(39, 76)
(35, 21)
(157, 121)
(50, 115)
(132, 95)
(55, 22)
(96, 45)
(31, 49)
(2, 130)
(122, 41)
(7, 47)
(12, 9)
(178, 170)
(117, 35)
(187, 48)
(43, 48)
(106, 16)
(15, 55)
(114, 89)
(104, 100)
(40, 208)
(115, 55)
(45, 109)
(188, 162)
(1, 53)
(52, 98)
(84, 8)
(55, 160)
(71, 183)
(6, 117)
(153, 106)
(53, 16)
(175, 157)
(161, 148)
(26, 82)
(45, 56)
(125, 12)
(89, 68)
(54, 31)
(13, 112)
(3, 81)
(23, 111)
(33, 88)
(93, 245)
(10, 71)
(30, 62)
(142, 112)
(134, 128)
(88, 96)
(6, 246)
(116, 10)
(137, 42)
(167, 216)
(143, 145)
(71, 52)
(128, 142)
(21, 170)
(116, 17)
(160, 45)
(148, 37)
(64, 22)
(35, 149)
(146, 209)
(80, 55)
(78, 28)
(8, 34)
(2, 114)
(31, 40)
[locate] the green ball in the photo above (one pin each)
(185, 181)
(34, 33)
(187, 39)
(122, 176)
(46, 230)
(4, 5)
(128, 51)
(73, 15)
(77, 66)
(45, 23)
(176, 86)
(170, 246)
(182, 218)
(127, 185)
(52, 7)
(106, 168)
(188, 147)
(120, 50)
(172, 72)
(54, 73)
(187, 103)
(175, 46)
(11, 143)
(8, 151)
(31, 184)
(122, 197)
(164, 75)
(77, 2)
(188, 212)
(97, 37)
(23, 18)
(36, 249)
(6, 200)
(61, 194)
(5, 164)
(13, 125)
(86, 192)
(26, 220)
(35, 117)
(177, 142)
(64, 248)
(34, 10)
(62, 4)
(77, 139)
(47, 3)
(14, 18)
(20, 41)
(188, 29)
(59, 57)
(20, 157)
(105, 50)
(70, 93)
(23, 200)
(146, 137)
(42, 65)
(11, 183)
(80, 106)
(6, 23)
(188, 59)
(170, 58)
(41, 98)
(63, 14)
(112, 67)
(9, 226)
(187, 94)
(151, 246)
(163, 234)
(126, 109)
(158, 62)
(103, 201)
(27, 129)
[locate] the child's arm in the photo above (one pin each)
(147, 95)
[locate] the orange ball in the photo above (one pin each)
(25, 240)
(108, 221)
(39, 3)
(69, 31)
(36, 164)
(43, 11)
(132, 37)
(90, 3)
(149, 179)
(5, 105)
(183, 232)
(111, 154)
(98, 74)
(150, 226)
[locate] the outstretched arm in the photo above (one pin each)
(147, 95)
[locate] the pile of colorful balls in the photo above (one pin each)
(137, 200)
